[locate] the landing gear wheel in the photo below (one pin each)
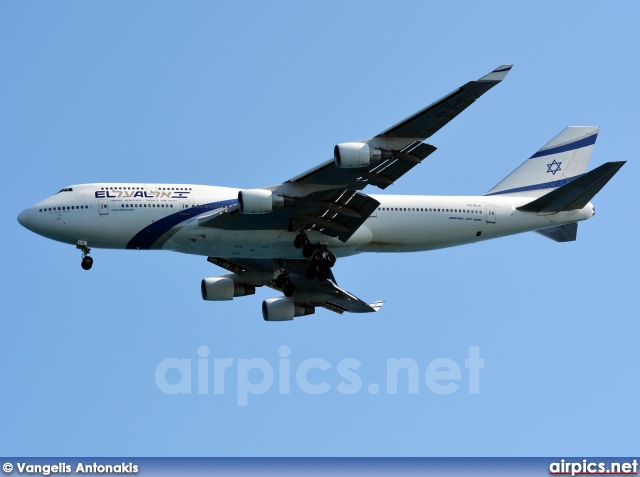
(318, 257)
(307, 250)
(330, 261)
(323, 273)
(300, 241)
(310, 272)
(282, 280)
(289, 290)
(87, 263)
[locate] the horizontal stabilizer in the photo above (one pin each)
(577, 193)
(561, 233)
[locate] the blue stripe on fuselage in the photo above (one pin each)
(145, 239)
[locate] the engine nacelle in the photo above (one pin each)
(351, 155)
(283, 309)
(260, 201)
(221, 288)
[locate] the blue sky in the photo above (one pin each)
(247, 94)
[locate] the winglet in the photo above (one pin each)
(376, 305)
(498, 74)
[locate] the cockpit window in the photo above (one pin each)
(68, 189)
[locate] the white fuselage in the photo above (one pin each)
(165, 216)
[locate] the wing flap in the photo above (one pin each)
(314, 292)
(381, 174)
(386, 173)
(336, 213)
(326, 294)
(348, 211)
(330, 296)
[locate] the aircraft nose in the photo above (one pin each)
(23, 218)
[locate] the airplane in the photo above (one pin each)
(289, 236)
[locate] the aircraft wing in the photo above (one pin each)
(403, 140)
(408, 154)
(326, 294)
(327, 198)
(334, 212)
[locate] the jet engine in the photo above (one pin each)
(221, 288)
(283, 309)
(351, 155)
(261, 201)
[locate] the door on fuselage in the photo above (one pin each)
(491, 214)
(185, 204)
(103, 206)
(150, 191)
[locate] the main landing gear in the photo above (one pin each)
(284, 282)
(322, 259)
(87, 261)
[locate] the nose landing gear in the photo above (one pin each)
(87, 261)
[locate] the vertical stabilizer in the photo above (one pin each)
(560, 161)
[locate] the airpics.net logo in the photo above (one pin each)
(205, 374)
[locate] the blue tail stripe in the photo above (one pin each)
(545, 185)
(584, 142)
